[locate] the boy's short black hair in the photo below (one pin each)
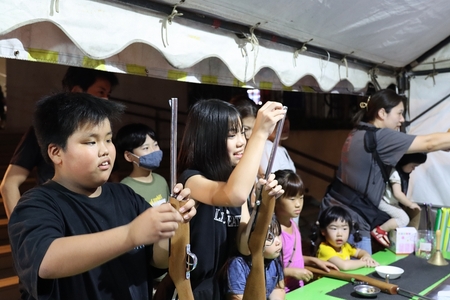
(131, 136)
(84, 78)
(58, 116)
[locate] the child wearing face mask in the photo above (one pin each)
(138, 145)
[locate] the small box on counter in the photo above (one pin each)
(403, 240)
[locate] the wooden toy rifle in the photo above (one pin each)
(181, 260)
(255, 287)
(385, 287)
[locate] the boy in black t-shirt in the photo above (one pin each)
(27, 155)
(78, 236)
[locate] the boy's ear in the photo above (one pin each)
(127, 157)
(54, 152)
(77, 89)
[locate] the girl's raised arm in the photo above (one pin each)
(235, 191)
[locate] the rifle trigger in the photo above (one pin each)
(191, 261)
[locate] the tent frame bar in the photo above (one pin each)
(260, 34)
(407, 123)
(427, 54)
(427, 72)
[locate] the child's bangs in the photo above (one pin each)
(294, 188)
(275, 227)
(234, 124)
(343, 220)
(86, 124)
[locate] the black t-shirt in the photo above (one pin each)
(213, 237)
(50, 211)
(28, 155)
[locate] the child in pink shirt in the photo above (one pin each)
(288, 206)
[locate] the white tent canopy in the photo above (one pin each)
(349, 43)
(127, 38)
(135, 36)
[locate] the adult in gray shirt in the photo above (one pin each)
(383, 113)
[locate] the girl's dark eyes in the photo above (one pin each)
(295, 198)
(335, 228)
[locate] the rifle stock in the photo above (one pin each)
(385, 287)
(254, 287)
(178, 256)
(178, 275)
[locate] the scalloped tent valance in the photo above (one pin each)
(123, 38)
(127, 36)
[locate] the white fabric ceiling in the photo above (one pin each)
(115, 36)
(430, 182)
(394, 32)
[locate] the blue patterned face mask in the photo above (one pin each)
(149, 161)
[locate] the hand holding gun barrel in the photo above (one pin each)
(259, 224)
(181, 260)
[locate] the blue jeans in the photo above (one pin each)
(364, 244)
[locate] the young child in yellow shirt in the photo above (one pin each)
(335, 225)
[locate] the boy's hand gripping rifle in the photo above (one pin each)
(255, 287)
(181, 260)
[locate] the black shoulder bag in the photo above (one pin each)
(357, 201)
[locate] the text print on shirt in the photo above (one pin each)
(224, 216)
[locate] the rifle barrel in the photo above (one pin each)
(276, 141)
(179, 247)
(173, 141)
